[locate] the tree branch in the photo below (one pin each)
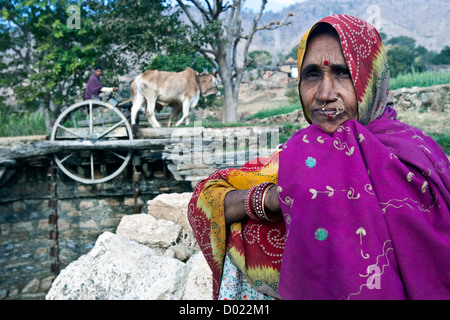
(277, 24)
(209, 7)
(204, 53)
(206, 50)
(202, 10)
(187, 12)
(249, 38)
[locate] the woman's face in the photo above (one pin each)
(325, 77)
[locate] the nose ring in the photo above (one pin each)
(340, 108)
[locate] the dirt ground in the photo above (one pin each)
(252, 101)
(431, 121)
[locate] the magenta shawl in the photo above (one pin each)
(367, 216)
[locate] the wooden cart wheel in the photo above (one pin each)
(92, 120)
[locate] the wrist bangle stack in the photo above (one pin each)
(254, 202)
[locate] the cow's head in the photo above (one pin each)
(209, 85)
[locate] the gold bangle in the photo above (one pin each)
(263, 197)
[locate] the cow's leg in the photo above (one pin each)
(176, 109)
(173, 113)
(137, 104)
(186, 106)
(150, 112)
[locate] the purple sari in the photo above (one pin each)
(368, 216)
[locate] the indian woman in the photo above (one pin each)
(354, 206)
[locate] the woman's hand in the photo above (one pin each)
(234, 206)
(271, 203)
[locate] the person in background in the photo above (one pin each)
(94, 88)
(354, 206)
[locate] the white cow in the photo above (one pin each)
(169, 88)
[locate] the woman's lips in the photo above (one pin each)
(327, 112)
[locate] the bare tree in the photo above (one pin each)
(218, 35)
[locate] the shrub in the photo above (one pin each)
(21, 123)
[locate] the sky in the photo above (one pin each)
(272, 5)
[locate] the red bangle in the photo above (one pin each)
(248, 204)
(254, 202)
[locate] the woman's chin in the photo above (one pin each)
(330, 125)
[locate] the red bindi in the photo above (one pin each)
(325, 62)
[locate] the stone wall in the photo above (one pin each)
(435, 98)
(84, 213)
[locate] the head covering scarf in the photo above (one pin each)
(367, 216)
(366, 60)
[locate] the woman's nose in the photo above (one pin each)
(326, 89)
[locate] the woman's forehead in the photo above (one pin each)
(323, 47)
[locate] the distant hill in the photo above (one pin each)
(426, 21)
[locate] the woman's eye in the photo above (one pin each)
(311, 75)
(343, 72)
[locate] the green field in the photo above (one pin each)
(420, 79)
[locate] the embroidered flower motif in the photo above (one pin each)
(310, 162)
(321, 234)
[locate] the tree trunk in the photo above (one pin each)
(223, 44)
(230, 104)
(47, 115)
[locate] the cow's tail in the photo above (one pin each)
(132, 93)
(124, 102)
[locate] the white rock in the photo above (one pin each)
(172, 207)
(199, 280)
(141, 261)
(118, 268)
(147, 230)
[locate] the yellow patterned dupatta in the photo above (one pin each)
(256, 248)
